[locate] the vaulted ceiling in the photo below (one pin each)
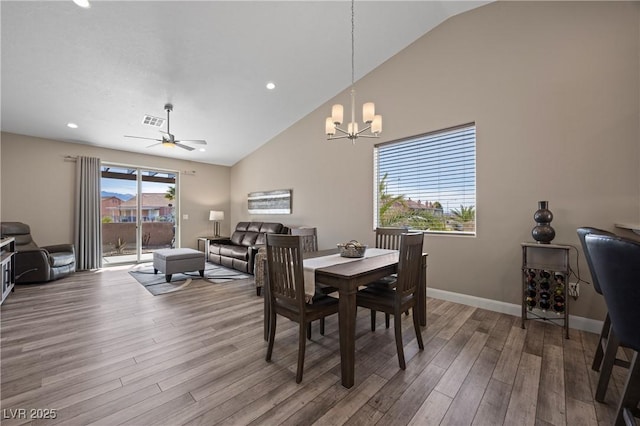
(105, 67)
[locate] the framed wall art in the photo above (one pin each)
(270, 202)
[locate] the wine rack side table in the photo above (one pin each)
(545, 275)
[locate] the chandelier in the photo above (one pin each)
(372, 121)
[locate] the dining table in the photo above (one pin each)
(347, 277)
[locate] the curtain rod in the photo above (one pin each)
(70, 158)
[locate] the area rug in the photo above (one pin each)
(156, 283)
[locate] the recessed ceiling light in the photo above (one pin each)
(82, 3)
(202, 150)
(271, 85)
(72, 125)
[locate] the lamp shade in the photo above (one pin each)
(216, 215)
(368, 112)
(376, 124)
(337, 112)
(330, 127)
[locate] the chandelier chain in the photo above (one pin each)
(353, 44)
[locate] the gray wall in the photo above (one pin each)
(38, 187)
(554, 90)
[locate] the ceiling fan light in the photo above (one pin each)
(83, 3)
(168, 144)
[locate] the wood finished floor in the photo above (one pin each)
(99, 349)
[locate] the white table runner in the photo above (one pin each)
(310, 266)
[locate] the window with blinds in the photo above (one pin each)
(427, 182)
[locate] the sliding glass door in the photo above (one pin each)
(139, 208)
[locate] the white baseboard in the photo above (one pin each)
(579, 323)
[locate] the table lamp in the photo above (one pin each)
(216, 216)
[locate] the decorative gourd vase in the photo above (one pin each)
(543, 232)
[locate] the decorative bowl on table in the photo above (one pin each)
(352, 249)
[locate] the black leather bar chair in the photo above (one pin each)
(616, 263)
(600, 363)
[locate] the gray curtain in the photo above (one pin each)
(88, 227)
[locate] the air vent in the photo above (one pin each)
(153, 121)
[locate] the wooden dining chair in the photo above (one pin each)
(616, 263)
(286, 292)
(601, 363)
(387, 238)
(309, 238)
(404, 296)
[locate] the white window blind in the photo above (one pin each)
(428, 182)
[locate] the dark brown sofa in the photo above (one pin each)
(239, 251)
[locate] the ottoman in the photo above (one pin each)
(171, 261)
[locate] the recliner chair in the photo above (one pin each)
(38, 264)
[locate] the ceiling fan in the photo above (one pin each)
(168, 139)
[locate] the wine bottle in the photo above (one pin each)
(531, 302)
(544, 284)
(558, 307)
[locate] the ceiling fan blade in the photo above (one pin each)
(196, 141)
(188, 148)
(154, 144)
(140, 137)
